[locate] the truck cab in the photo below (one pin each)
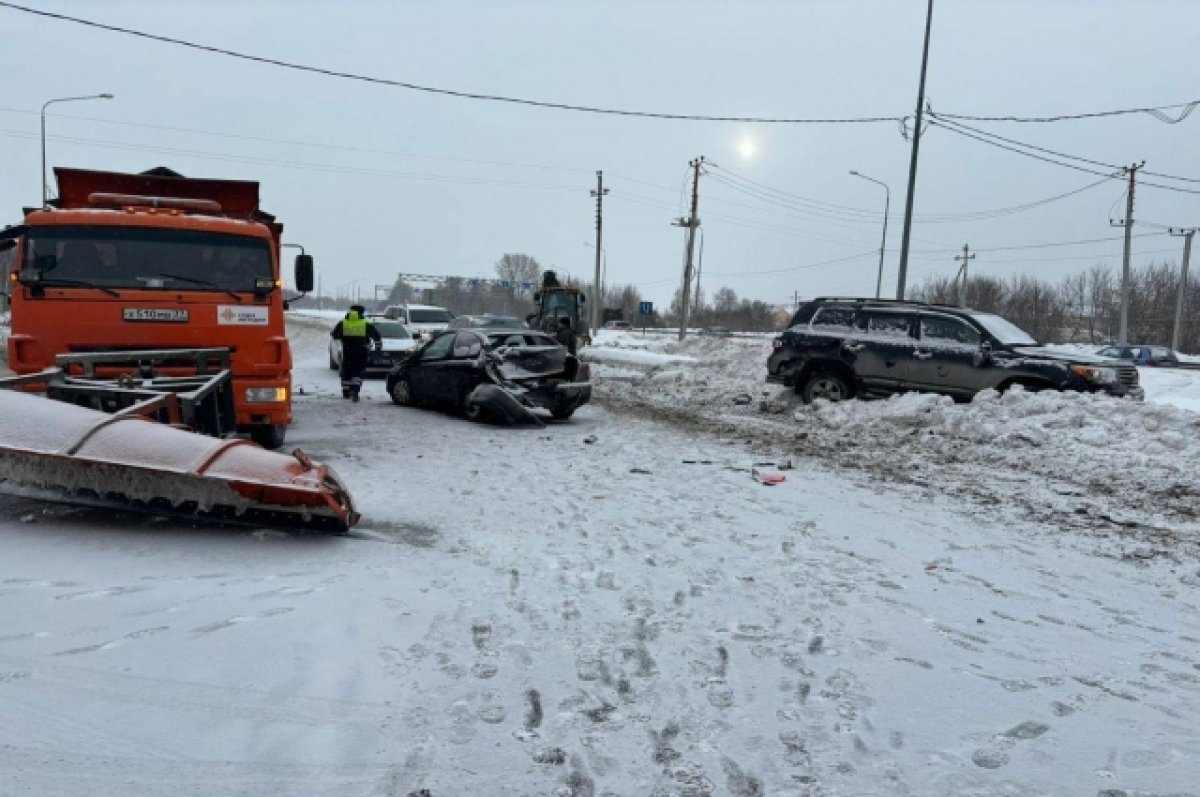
(124, 262)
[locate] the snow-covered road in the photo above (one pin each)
(525, 612)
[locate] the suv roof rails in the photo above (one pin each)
(864, 300)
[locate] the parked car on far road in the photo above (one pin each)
(422, 320)
(1159, 356)
(397, 343)
(493, 374)
(617, 325)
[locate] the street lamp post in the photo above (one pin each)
(47, 104)
(887, 204)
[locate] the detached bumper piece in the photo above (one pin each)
(504, 405)
(72, 454)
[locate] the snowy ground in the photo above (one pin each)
(997, 598)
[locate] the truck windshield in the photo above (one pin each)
(139, 257)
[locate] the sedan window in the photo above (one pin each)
(940, 329)
(466, 344)
(438, 348)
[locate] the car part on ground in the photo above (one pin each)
(60, 451)
(493, 375)
(836, 348)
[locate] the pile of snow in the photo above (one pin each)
(1094, 461)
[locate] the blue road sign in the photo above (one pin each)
(645, 308)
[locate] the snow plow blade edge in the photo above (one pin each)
(70, 454)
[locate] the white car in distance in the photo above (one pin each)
(422, 320)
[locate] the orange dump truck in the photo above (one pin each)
(131, 262)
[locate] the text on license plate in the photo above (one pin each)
(155, 314)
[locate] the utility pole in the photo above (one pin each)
(1127, 223)
(691, 222)
(912, 164)
(597, 293)
(699, 271)
(1187, 252)
(965, 257)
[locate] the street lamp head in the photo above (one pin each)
(856, 174)
(106, 96)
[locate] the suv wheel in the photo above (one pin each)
(825, 385)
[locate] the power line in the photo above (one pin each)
(953, 129)
(298, 143)
(1158, 112)
(287, 164)
(433, 89)
(1064, 155)
(873, 217)
(808, 267)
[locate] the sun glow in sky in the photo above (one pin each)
(747, 147)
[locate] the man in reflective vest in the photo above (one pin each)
(356, 334)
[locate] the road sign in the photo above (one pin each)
(645, 308)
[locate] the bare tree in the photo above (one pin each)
(725, 301)
(519, 269)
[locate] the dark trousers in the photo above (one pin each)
(354, 364)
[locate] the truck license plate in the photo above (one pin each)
(155, 314)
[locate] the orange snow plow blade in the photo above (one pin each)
(72, 454)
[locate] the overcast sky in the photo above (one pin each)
(376, 180)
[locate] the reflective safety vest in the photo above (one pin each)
(354, 326)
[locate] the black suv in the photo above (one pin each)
(837, 348)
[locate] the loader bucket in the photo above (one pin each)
(72, 454)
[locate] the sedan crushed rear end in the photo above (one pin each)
(492, 374)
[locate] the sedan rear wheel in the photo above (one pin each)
(402, 392)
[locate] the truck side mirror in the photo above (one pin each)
(304, 273)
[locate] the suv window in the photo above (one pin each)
(891, 325)
(940, 329)
(834, 317)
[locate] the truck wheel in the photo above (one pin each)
(825, 385)
(270, 436)
(561, 413)
(333, 366)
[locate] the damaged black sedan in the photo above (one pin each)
(490, 374)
